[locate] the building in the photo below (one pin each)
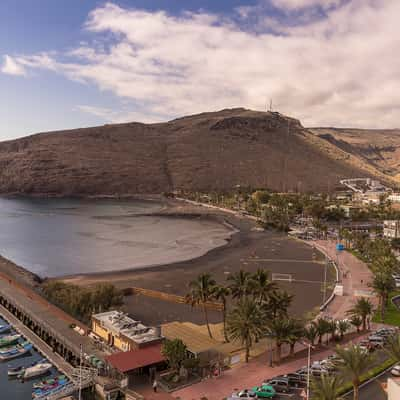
(394, 197)
(393, 389)
(122, 332)
(391, 229)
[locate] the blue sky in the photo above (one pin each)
(74, 63)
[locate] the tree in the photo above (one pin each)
(363, 308)
(382, 284)
(175, 351)
(327, 387)
(278, 304)
(239, 286)
(201, 292)
(311, 333)
(279, 329)
(262, 286)
(393, 347)
(331, 328)
(245, 323)
(221, 293)
(356, 321)
(322, 325)
(342, 326)
(296, 332)
(355, 361)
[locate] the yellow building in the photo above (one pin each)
(122, 332)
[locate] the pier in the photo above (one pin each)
(50, 331)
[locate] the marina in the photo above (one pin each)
(22, 367)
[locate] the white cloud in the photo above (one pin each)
(339, 70)
(301, 4)
(12, 67)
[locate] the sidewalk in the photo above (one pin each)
(354, 276)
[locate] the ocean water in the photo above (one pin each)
(56, 237)
(15, 389)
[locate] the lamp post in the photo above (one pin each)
(308, 371)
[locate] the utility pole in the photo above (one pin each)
(80, 372)
(325, 277)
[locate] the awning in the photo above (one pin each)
(131, 360)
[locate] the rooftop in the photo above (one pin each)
(126, 361)
(120, 323)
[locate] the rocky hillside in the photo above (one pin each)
(202, 152)
(379, 149)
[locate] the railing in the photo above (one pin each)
(173, 298)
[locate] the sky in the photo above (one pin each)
(75, 63)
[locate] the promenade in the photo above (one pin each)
(353, 274)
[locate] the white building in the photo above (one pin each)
(391, 229)
(393, 389)
(394, 197)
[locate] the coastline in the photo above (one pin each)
(246, 248)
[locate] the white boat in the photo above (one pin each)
(36, 370)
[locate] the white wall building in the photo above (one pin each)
(393, 389)
(391, 229)
(394, 197)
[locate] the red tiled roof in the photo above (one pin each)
(130, 360)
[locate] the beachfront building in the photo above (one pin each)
(391, 229)
(122, 332)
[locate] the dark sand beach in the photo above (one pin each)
(247, 249)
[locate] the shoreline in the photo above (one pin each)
(246, 248)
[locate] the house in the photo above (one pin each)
(391, 229)
(124, 333)
(394, 197)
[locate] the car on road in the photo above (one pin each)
(264, 391)
(243, 394)
(281, 385)
(395, 371)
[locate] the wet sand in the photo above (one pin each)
(247, 249)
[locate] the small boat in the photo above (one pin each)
(50, 389)
(36, 370)
(5, 328)
(9, 340)
(48, 382)
(15, 371)
(19, 351)
(9, 349)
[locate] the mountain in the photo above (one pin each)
(378, 148)
(209, 151)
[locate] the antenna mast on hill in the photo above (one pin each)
(270, 106)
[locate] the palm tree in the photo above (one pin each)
(322, 325)
(327, 387)
(221, 293)
(363, 308)
(262, 286)
(278, 304)
(311, 333)
(296, 332)
(356, 321)
(393, 347)
(331, 328)
(279, 329)
(342, 326)
(355, 361)
(245, 323)
(240, 284)
(383, 283)
(201, 292)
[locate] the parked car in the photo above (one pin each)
(281, 385)
(243, 394)
(395, 371)
(296, 380)
(264, 391)
(377, 340)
